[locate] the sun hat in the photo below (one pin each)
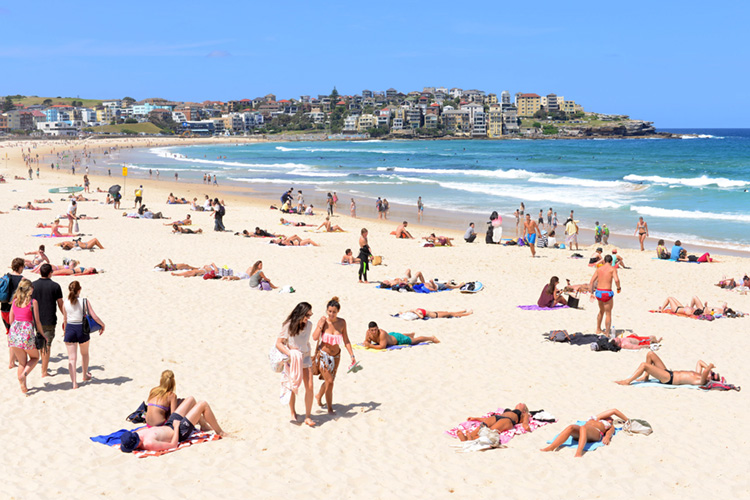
(129, 441)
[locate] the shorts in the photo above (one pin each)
(401, 339)
(572, 238)
(6, 320)
(604, 295)
(74, 334)
(531, 238)
(185, 429)
(22, 335)
(306, 361)
(49, 331)
(139, 199)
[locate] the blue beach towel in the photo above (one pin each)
(590, 446)
(112, 439)
(651, 383)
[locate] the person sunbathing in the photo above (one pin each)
(500, 422)
(582, 288)
(168, 265)
(424, 313)
(731, 283)
(596, 257)
(655, 367)
(401, 231)
(258, 233)
(292, 223)
(77, 243)
(74, 269)
(29, 206)
(55, 230)
(184, 222)
(185, 230)
(695, 308)
(349, 258)
(329, 228)
(78, 197)
(48, 200)
(292, 241)
(438, 241)
(439, 287)
(39, 258)
(597, 428)
(177, 429)
(209, 268)
(633, 342)
(377, 338)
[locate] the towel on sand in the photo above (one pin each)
(506, 436)
(656, 383)
(535, 307)
(590, 446)
(389, 348)
(113, 440)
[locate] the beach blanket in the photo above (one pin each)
(506, 436)
(418, 288)
(47, 235)
(704, 317)
(720, 386)
(652, 383)
(113, 440)
(590, 446)
(389, 348)
(535, 307)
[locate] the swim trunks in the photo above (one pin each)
(604, 295)
(185, 428)
(531, 238)
(401, 339)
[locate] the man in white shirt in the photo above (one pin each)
(72, 209)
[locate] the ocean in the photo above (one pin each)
(694, 188)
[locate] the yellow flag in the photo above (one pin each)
(124, 171)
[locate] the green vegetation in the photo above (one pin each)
(131, 128)
(536, 125)
(549, 130)
(376, 132)
(67, 101)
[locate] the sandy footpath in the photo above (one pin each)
(388, 439)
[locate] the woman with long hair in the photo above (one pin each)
(257, 278)
(295, 336)
(162, 400)
(24, 314)
(331, 331)
(551, 296)
(75, 339)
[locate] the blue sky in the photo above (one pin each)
(679, 64)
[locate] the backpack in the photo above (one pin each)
(5, 288)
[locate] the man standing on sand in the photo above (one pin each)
(48, 296)
(518, 221)
(138, 197)
(532, 229)
(420, 209)
(571, 232)
(549, 217)
(602, 280)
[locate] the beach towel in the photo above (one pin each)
(590, 446)
(291, 376)
(704, 317)
(535, 307)
(113, 440)
(506, 436)
(389, 348)
(652, 383)
(720, 386)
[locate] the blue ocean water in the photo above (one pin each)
(694, 188)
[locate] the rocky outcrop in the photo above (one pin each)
(633, 128)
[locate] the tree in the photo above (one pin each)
(47, 102)
(536, 125)
(334, 96)
(131, 120)
(376, 132)
(7, 104)
(128, 101)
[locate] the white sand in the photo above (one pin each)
(388, 439)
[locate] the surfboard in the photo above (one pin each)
(66, 189)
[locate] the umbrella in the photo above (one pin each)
(113, 190)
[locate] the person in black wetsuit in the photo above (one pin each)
(500, 422)
(364, 256)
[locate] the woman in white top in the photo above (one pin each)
(295, 334)
(73, 327)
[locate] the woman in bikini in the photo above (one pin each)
(597, 428)
(438, 241)
(500, 422)
(162, 400)
(330, 228)
(424, 313)
(293, 241)
(331, 332)
(89, 245)
(171, 266)
(641, 229)
(695, 308)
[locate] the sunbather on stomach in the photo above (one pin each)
(500, 422)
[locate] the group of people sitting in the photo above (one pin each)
(679, 254)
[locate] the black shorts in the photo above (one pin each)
(74, 334)
(186, 426)
(139, 199)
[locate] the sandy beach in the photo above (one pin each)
(388, 439)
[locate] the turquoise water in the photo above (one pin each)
(690, 188)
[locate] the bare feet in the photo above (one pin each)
(319, 400)
(87, 377)
(331, 411)
(310, 422)
(622, 382)
(548, 448)
(435, 340)
(22, 381)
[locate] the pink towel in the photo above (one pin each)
(291, 377)
(506, 436)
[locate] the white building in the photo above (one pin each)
(60, 129)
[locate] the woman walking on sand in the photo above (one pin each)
(294, 340)
(75, 338)
(641, 229)
(24, 315)
(353, 209)
(331, 331)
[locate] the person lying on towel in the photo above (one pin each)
(655, 367)
(377, 338)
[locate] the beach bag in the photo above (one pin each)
(489, 237)
(5, 288)
(89, 324)
(573, 301)
(138, 416)
(265, 285)
(377, 260)
(277, 359)
(316, 360)
(637, 426)
(75, 227)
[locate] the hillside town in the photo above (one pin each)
(431, 112)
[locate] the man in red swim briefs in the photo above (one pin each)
(602, 280)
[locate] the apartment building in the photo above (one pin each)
(528, 104)
(495, 121)
(456, 120)
(479, 124)
(365, 122)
